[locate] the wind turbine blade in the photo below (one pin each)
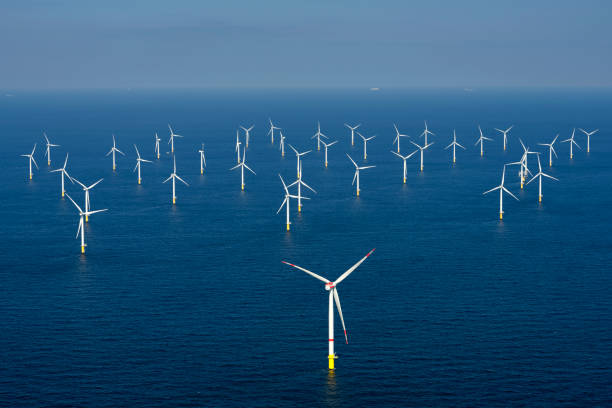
(281, 207)
(508, 191)
(351, 159)
(352, 268)
(184, 182)
(307, 271)
(94, 184)
(73, 202)
(96, 211)
(493, 189)
(249, 169)
(550, 177)
(337, 299)
(306, 185)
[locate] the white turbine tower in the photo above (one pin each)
(281, 146)
(572, 142)
(404, 158)
(588, 135)
(237, 148)
(86, 190)
(157, 140)
(286, 201)
(398, 135)
(331, 287)
(48, 149)
(524, 169)
(426, 132)
(298, 155)
(551, 150)
(326, 145)
(138, 161)
(272, 129)
(174, 177)
(505, 133)
(242, 165)
(299, 184)
(81, 229)
(247, 134)
(172, 136)
(481, 140)
(539, 176)
(365, 144)
(454, 144)
(31, 160)
(501, 189)
(113, 150)
(422, 149)
(356, 176)
(202, 159)
(318, 136)
(64, 173)
(352, 128)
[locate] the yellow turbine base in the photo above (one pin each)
(299, 208)
(454, 161)
(331, 359)
(158, 155)
(421, 168)
(539, 199)
(501, 216)
(325, 164)
(288, 227)
(357, 193)
(62, 193)
(114, 168)
(588, 150)
(138, 181)
(481, 154)
(283, 154)
(86, 218)
(82, 249)
(404, 180)
(242, 186)
(365, 157)
(30, 177)
(318, 148)
(48, 163)
(173, 200)
(201, 171)
(549, 164)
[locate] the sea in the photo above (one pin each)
(190, 304)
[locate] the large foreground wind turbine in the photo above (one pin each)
(422, 149)
(299, 184)
(365, 144)
(247, 134)
(572, 142)
(539, 176)
(172, 136)
(64, 173)
(174, 177)
(454, 144)
(352, 128)
(404, 158)
(299, 155)
(326, 145)
(331, 287)
(48, 149)
(31, 160)
(113, 150)
(588, 135)
(86, 190)
(426, 132)
(551, 150)
(202, 159)
(398, 136)
(505, 133)
(318, 136)
(481, 140)
(81, 229)
(501, 189)
(242, 165)
(271, 131)
(286, 201)
(356, 176)
(138, 161)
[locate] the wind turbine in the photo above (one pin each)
(398, 135)
(113, 150)
(501, 189)
(404, 158)
(271, 131)
(422, 149)
(539, 176)
(481, 140)
(86, 190)
(365, 144)
(202, 159)
(299, 184)
(64, 173)
(331, 287)
(318, 135)
(524, 170)
(299, 160)
(326, 145)
(48, 150)
(426, 132)
(174, 177)
(454, 145)
(551, 150)
(31, 159)
(138, 161)
(247, 133)
(356, 176)
(505, 133)
(352, 128)
(572, 142)
(588, 135)
(237, 148)
(172, 136)
(242, 166)
(286, 201)
(281, 146)
(81, 229)
(157, 140)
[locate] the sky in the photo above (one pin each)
(57, 44)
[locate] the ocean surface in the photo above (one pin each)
(190, 305)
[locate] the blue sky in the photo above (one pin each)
(50, 44)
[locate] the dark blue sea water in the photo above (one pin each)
(190, 305)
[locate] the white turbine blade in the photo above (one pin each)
(184, 182)
(534, 177)
(332, 143)
(493, 189)
(397, 154)
(351, 159)
(34, 161)
(337, 299)
(75, 204)
(119, 151)
(248, 168)
(168, 178)
(550, 177)
(146, 161)
(554, 152)
(96, 211)
(109, 152)
(416, 144)
(293, 148)
(307, 186)
(352, 268)
(302, 197)
(307, 271)
(281, 207)
(460, 146)
(508, 191)
(366, 167)
(135, 167)
(81, 184)
(137, 152)
(354, 177)
(80, 227)
(94, 184)
(236, 166)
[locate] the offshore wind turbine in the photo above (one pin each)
(398, 135)
(299, 160)
(157, 140)
(281, 146)
(174, 177)
(588, 135)
(247, 134)
(237, 148)
(81, 229)
(286, 201)
(454, 144)
(172, 136)
(64, 173)
(319, 135)
(426, 132)
(365, 144)
(524, 169)
(505, 133)
(404, 158)
(138, 161)
(352, 128)
(271, 131)
(202, 159)
(326, 145)
(113, 150)
(539, 176)
(48, 149)
(31, 160)
(501, 189)
(356, 176)
(572, 142)
(481, 140)
(551, 150)
(331, 287)
(242, 166)
(86, 190)
(299, 184)
(422, 149)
